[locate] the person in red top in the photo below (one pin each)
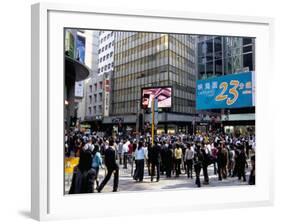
(130, 147)
(214, 154)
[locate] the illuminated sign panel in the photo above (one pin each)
(162, 94)
(229, 91)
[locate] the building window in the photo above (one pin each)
(100, 86)
(108, 66)
(100, 109)
(107, 56)
(96, 87)
(102, 49)
(105, 67)
(99, 51)
(99, 70)
(109, 45)
(90, 99)
(91, 88)
(108, 35)
(95, 109)
(100, 96)
(104, 57)
(100, 59)
(95, 98)
(111, 53)
(90, 111)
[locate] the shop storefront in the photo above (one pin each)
(240, 130)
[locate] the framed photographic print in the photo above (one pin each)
(150, 107)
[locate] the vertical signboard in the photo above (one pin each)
(106, 97)
(80, 49)
(79, 89)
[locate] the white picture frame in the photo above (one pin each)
(48, 200)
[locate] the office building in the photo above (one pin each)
(87, 108)
(150, 60)
(100, 51)
(221, 55)
(106, 52)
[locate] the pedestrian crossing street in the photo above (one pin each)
(127, 184)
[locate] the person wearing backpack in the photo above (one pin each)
(198, 159)
(83, 175)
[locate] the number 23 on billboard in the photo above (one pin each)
(233, 91)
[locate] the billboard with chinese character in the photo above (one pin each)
(162, 94)
(106, 101)
(229, 91)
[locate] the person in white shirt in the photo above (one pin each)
(140, 155)
(89, 145)
(188, 157)
(208, 148)
(125, 152)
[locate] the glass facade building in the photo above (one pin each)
(220, 55)
(149, 60)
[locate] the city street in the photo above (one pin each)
(127, 184)
(171, 89)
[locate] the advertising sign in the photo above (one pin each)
(229, 91)
(162, 94)
(106, 97)
(79, 89)
(80, 49)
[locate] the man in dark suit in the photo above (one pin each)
(111, 165)
(155, 158)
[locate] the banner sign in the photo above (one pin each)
(80, 49)
(228, 91)
(106, 102)
(79, 89)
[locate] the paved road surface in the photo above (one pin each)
(127, 184)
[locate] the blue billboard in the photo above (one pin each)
(228, 91)
(80, 49)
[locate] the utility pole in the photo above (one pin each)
(152, 122)
(137, 119)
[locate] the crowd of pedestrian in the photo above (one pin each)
(167, 156)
